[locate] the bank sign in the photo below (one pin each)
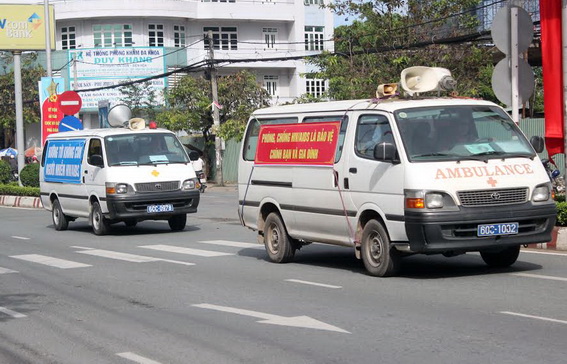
(103, 67)
(22, 27)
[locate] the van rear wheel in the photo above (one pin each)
(98, 221)
(60, 221)
(501, 259)
(177, 222)
(276, 240)
(380, 258)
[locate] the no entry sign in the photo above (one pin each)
(70, 102)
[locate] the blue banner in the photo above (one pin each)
(63, 160)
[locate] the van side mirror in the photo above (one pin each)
(193, 155)
(386, 152)
(96, 160)
(538, 143)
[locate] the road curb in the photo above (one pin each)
(21, 201)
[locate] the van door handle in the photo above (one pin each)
(352, 170)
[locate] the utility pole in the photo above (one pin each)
(47, 38)
(216, 117)
(20, 146)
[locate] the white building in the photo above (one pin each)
(242, 29)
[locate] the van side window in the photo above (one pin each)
(342, 131)
(95, 148)
(251, 139)
(370, 131)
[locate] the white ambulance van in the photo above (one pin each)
(116, 175)
(410, 175)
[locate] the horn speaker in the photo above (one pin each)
(118, 115)
(136, 124)
(425, 79)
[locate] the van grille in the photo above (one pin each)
(493, 197)
(157, 186)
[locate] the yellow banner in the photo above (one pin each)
(22, 27)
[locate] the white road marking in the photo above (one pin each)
(235, 244)
(313, 283)
(188, 251)
(127, 257)
(9, 312)
(543, 253)
(50, 261)
(534, 317)
(6, 270)
(20, 237)
(539, 276)
(266, 318)
(137, 358)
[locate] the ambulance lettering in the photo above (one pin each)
(485, 171)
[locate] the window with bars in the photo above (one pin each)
(112, 35)
(271, 84)
(218, 1)
(179, 36)
(270, 35)
(224, 38)
(68, 38)
(313, 2)
(155, 35)
(313, 38)
(315, 87)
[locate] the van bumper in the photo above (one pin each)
(121, 207)
(439, 232)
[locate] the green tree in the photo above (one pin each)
(391, 35)
(31, 74)
(141, 98)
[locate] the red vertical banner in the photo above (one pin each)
(50, 115)
(550, 16)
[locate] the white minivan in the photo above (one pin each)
(410, 175)
(116, 175)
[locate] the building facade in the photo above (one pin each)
(270, 37)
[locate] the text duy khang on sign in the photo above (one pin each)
(307, 143)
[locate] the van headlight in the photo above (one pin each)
(429, 200)
(189, 184)
(117, 188)
(541, 193)
(434, 201)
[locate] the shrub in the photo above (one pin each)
(29, 175)
(5, 172)
(15, 190)
(561, 214)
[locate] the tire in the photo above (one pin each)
(276, 240)
(177, 222)
(130, 222)
(98, 221)
(379, 257)
(501, 259)
(60, 221)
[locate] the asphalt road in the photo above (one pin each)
(208, 294)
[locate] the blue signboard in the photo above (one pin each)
(70, 123)
(63, 160)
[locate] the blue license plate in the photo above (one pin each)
(509, 228)
(159, 208)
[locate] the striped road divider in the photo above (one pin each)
(21, 201)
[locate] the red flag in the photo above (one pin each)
(550, 16)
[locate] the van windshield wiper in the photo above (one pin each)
(433, 155)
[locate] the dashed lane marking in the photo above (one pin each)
(188, 251)
(137, 358)
(20, 237)
(534, 317)
(313, 283)
(127, 257)
(9, 312)
(235, 244)
(50, 261)
(6, 270)
(539, 276)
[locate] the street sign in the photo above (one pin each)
(70, 102)
(501, 30)
(502, 83)
(70, 123)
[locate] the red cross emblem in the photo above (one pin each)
(491, 181)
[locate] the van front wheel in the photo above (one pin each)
(99, 223)
(177, 222)
(60, 221)
(501, 259)
(379, 257)
(276, 240)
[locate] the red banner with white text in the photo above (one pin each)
(301, 144)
